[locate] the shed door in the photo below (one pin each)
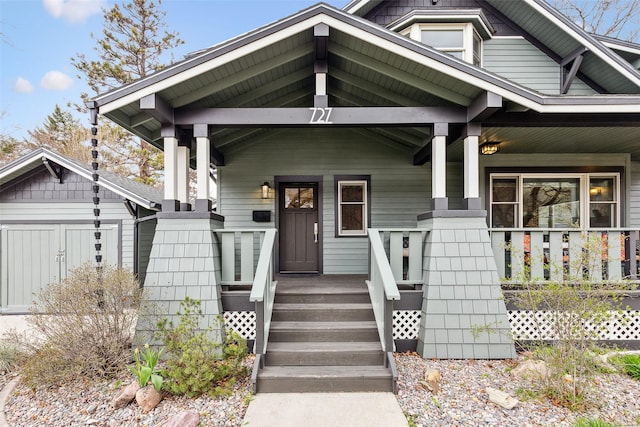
(298, 228)
(34, 255)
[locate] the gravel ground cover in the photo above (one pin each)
(461, 400)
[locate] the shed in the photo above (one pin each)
(47, 223)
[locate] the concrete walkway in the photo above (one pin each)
(324, 409)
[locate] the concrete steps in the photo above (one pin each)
(323, 338)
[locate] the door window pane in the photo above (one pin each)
(306, 198)
(291, 198)
(298, 198)
(551, 202)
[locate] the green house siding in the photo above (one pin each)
(634, 196)
(399, 190)
(517, 60)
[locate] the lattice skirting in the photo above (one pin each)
(525, 325)
(536, 325)
(242, 322)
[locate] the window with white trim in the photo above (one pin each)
(352, 207)
(459, 40)
(587, 200)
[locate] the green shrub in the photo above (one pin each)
(591, 422)
(576, 309)
(630, 364)
(196, 363)
(82, 326)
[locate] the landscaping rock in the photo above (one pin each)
(125, 396)
(533, 370)
(183, 419)
(501, 398)
(431, 381)
(148, 398)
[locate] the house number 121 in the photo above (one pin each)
(320, 115)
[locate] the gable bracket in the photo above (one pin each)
(568, 74)
(54, 170)
(158, 108)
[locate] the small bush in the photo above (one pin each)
(10, 357)
(82, 326)
(630, 364)
(196, 364)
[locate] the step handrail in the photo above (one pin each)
(383, 290)
(263, 293)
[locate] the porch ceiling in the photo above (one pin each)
(524, 140)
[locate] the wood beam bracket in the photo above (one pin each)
(569, 67)
(158, 108)
(321, 64)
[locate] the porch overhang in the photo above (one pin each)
(375, 79)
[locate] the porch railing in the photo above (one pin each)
(404, 250)
(561, 254)
(238, 249)
(263, 293)
(385, 274)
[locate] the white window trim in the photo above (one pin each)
(585, 200)
(414, 32)
(365, 213)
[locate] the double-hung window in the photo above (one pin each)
(352, 207)
(585, 200)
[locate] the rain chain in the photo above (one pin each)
(96, 186)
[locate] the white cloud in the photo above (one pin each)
(56, 80)
(73, 10)
(23, 86)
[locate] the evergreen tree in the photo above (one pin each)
(133, 43)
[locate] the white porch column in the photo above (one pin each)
(170, 202)
(471, 166)
(203, 156)
(183, 176)
(439, 166)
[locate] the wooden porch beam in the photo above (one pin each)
(534, 119)
(158, 108)
(484, 106)
(321, 117)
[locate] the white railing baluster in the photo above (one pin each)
(537, 256)
(228, 256)
(246, 256)
(415, 256)
(556, 264)
(517, 255)
(498, 243)
(614, 255)
(396, 254)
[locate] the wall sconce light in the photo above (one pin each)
(265, 190)
(489, 148)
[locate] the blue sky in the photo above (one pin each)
(40, 36)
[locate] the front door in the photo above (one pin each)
(299, 228)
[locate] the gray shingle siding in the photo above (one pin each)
(41, 186)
